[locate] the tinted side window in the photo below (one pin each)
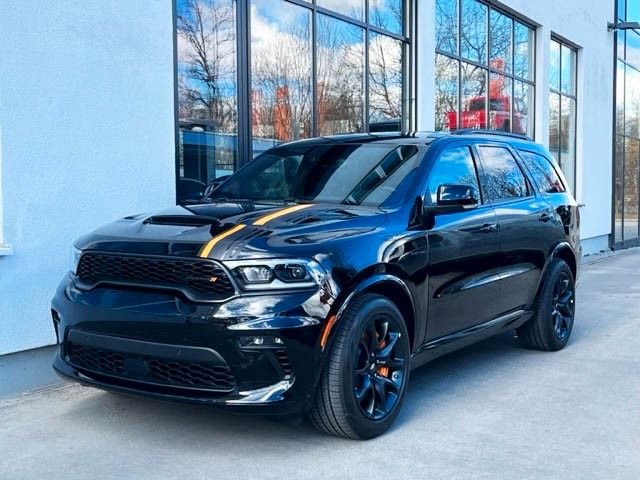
(454, 166)
(543, 173)
(501, 177)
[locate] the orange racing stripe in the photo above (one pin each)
(206, 249)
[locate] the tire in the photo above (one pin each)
(347, 401)
(550, 327)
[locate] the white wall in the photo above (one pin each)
(584, 23)
(86, 122)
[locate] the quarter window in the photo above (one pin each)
(455, 166)
(543, 173)
(501, 177)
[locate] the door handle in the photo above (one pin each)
(545, 216)
(489, 228)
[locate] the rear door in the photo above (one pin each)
(526, 224)
(464, 252)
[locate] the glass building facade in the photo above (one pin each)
(485, 68)
(626, 161)
(254, 73)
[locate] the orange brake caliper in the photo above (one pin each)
(384, 371)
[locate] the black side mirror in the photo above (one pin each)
(453, 199)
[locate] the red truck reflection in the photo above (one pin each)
(474, 115)
(474, 109)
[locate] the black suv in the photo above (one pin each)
(317, 276)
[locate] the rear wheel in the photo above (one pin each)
(364, 380)
(550, 328)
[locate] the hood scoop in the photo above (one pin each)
(183, 220)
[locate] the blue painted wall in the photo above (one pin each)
(87, 136)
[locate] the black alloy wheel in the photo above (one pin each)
(563, 305)
(364, 381)
(552, 323)
(379, 367)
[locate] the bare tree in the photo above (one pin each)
(206, 37)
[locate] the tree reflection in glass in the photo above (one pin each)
(340, 83)
(385, 78)
(446, 97)
(386, 14)
(473, 31)
(447, 26)
(281, 87)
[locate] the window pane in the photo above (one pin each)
(386, 14)
(501, 177)
(207, 92)
(523, 102)
(351, 8)
(340, 83)
(280, 82)
(523, 51)
(446, 93)
(499, 102)
(554, 125)
(474, 97)
(632, 102)
(621, 40)
(568, 66)
(554, 65)
(473, 32)
(622, 11)
(633, 11)
(500, 38)
(455, 166)
(633, 48)
(619, 188)
(447, 26)
(632, 153)
(385, 80)
(543, 172)
(620, 98)
(568, 140)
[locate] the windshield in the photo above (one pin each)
(351, 174)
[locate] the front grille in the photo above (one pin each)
(154, 370)
(199, 279)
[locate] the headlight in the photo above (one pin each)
(276, 274)
(75, 259)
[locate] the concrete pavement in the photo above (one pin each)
(492, 411)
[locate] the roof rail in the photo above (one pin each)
(476, 131)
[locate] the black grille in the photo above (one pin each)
(198, 278)
(155, 370)
(97, 359)
(285, 364)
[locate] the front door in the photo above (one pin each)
(464, 251)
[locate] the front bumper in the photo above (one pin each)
(252, 353)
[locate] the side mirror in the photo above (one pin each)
(453, 199)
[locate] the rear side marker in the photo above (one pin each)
(206, 250)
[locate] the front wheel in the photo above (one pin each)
(550, 327)
(364, 381)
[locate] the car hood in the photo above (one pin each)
(236, 230)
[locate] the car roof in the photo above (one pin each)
(424, 138)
